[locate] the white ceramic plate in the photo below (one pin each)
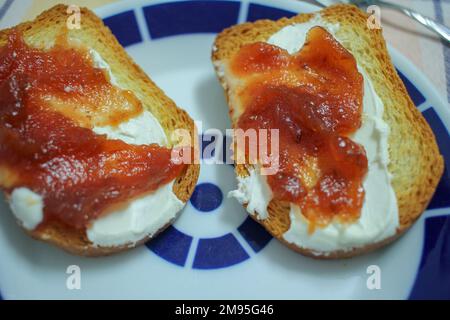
(214, 250)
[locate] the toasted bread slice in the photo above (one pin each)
(41, 33)
(415, 162)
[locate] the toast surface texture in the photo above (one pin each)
(415, 161)
(41, 33)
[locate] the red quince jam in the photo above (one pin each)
(49, 102)
(314, 98)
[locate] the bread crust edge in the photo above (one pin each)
(412, 204)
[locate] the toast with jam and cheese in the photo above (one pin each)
(55, 77)
(274, 87)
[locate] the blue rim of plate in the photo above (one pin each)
(165, 19)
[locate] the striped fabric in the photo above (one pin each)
(418, 44)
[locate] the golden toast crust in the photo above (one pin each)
(415, 160)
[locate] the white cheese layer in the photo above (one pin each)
(27, 206)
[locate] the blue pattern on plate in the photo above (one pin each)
(416, 96)
(175, 18)
(208, 141)
(205, 141)
(433, 278)
(206, 197)
(441, 197)
(258, 11)
(126, 36)
(227, 146)
(172, 245)
(219, 252)
(255, 235)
